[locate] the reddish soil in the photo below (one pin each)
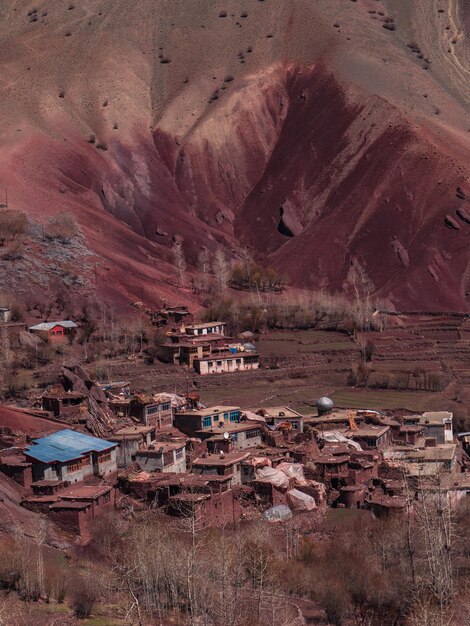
(22, 423)
(304, 119)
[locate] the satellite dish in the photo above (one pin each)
(226, 435)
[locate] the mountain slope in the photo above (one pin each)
(305, 131)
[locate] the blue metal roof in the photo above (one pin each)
(66, 445)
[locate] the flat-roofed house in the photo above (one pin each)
(221, 465)
(370, 435)
(229, 362)
(205, 328)
(130, 440)
(71, 456)
(163, 456)
(275, 415)
(438, 424)
(218, 425)
(152, 410)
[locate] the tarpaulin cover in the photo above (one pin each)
(300, 501)
(278, 513)
(273, 476)
(261, 461)
(333, 436)
(295, 471)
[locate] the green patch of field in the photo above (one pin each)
(385, 399)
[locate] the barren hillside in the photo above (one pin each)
(317, 133)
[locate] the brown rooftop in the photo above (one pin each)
(215, 460)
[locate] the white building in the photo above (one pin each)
(233, 362)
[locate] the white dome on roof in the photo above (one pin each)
(325, 404)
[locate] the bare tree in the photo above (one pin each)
(180, 261)
(221, 269)
(203, 261)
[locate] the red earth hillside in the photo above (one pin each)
(316, 134)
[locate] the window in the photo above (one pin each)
(295, 425)
(104, 457)
(151, 410)
(234, 416)
(211, 363)
(85, 461)
(238, 361)
(207, 421)
(166, 406)
(251, 434)
(106, 498)
(225, 416)
(179, 453)
(234, 436)
(73, 467)
(219, 362)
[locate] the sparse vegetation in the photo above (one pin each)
(62, 227)
(12, 224)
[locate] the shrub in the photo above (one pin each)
(62, 227)
(12, 224)
(83, 600)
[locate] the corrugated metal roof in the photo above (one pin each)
(66, 445)
(51, 325)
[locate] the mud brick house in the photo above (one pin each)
(277, 415)
(56, 332)
(227, 363)
(332, 468)
(212, 423)
(208, 500)
(62, 403)
(171, 315)
(15, 466)
(383, 505)
(163, 456)
(71, 456)
(152, 411)
(72, 508)
(221, 465)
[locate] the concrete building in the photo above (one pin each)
(222, 427)
(370, 435)
(221, 465)
(130, 440)
(205, 328)
(71, 456)
(275, 415)
(163, 456)
(224, 363)
(151, 411)
(206, 420)
(438, 424)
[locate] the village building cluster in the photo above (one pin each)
(88, 448)
(85, 448)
